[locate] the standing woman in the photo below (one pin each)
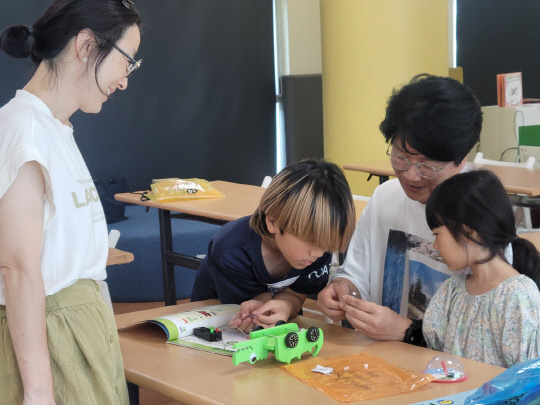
(58, 339)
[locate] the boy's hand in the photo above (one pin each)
(272, 311)
(330, 298)
(243, 319)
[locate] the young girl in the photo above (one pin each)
(271, 261)
(492, 312)
(58, 338)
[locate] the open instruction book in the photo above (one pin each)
(179, 328)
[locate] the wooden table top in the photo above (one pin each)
(240, 200)
(379, 168)
(516, 180)
(533, 237)
(117, 256)
(196, 377)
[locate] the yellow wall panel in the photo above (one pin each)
(368, 48)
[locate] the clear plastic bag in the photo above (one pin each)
(520, 384)
(183, 189)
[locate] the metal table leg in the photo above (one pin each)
(169, 258)
(165, 236)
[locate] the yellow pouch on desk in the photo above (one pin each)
(184, 189)
(353, 381)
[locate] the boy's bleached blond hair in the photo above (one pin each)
(311, 200)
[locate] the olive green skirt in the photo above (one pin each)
(83, 345)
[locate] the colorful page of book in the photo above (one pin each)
(179, 328)
(181, 324)
(229, 336)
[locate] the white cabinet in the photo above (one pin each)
(500, 129)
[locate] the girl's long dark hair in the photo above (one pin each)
(477, 201)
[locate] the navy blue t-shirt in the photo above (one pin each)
(233, 270)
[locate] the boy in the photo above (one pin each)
(271, 261)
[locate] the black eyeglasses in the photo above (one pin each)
(133, 64)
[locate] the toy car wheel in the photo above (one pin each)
(280, 323)
(252, 358)
(291, 340)
(312, 334)
(256, 328)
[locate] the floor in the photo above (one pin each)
(147, 397)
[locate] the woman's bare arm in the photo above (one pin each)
(21, 231)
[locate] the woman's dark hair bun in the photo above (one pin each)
(16, 41)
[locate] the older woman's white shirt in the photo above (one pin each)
(75, 232)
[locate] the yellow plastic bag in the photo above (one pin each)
(357, 377)
(183, 189)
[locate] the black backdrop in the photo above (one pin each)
(202, 104)
(498, 36)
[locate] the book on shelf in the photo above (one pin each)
(180, 328)
(509, 89)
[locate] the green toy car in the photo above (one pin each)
(285, 340)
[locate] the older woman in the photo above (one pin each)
(58, 339)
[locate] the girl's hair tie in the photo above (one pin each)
(127, 3)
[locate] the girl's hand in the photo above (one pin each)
(243, 319)
(272, 311)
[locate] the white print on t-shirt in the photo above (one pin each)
(319, 273)
(275, 288)
(280, 285)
